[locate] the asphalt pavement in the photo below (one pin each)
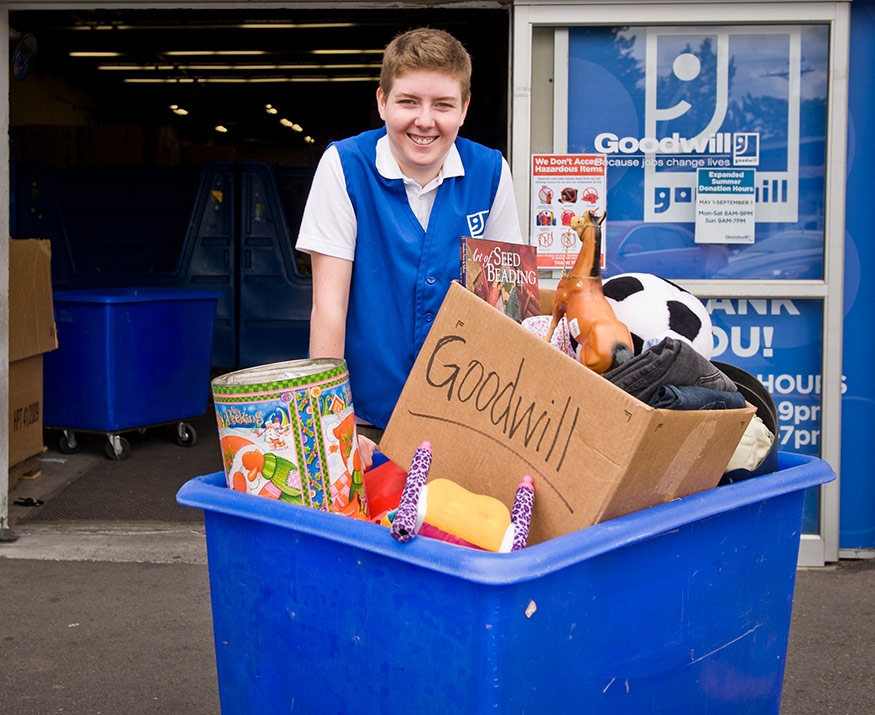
(104, 596)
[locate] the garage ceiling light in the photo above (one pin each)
(193, 53)
(346, 52)
(242, 80)
(135, 68)
(149, 80)
(293, 25)
(218, 25)
(238, 67)
(95, 54)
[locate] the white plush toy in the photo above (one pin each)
(654, 308)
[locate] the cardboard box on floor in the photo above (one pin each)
(25, 408)
(31, 333)
(31, 314)
(497, 402)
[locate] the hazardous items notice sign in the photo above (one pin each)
(551, 164)
(563, 186)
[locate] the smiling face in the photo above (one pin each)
(423, 112)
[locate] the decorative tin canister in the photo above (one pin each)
(287, 432)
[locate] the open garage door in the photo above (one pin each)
(119, 117)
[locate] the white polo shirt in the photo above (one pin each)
(329, 223)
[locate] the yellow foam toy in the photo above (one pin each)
(479, 519)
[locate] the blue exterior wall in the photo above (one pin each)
(857, 514)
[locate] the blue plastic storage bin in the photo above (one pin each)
(128, 358)
(681, 608)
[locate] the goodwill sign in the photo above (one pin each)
(672, 101)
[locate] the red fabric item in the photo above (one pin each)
(383, 486)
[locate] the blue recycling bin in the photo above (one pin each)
(128, 358)
(680, 608)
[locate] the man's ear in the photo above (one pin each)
(465, 111)
(381, 103)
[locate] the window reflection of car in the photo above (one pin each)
(793, 254)
(668, 250)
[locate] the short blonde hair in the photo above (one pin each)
(426, 49)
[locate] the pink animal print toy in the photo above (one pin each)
(443, 510)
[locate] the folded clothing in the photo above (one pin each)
(693, 397)
(670, 362)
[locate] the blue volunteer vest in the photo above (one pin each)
(401, 273)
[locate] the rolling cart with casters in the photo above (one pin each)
(128, 359)
(118, 447)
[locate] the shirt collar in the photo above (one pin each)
(389, 169)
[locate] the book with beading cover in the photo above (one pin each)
(503, 274)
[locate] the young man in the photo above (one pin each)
(385, 214)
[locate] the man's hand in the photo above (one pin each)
(367, 447)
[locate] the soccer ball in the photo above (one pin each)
(654, 308)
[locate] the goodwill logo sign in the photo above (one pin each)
(671, 101)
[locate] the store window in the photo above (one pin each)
(678, 105)
(664, 103)
(717, 134)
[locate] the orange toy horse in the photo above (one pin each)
(605, 342)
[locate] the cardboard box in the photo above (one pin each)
(31, 333)
(25, 408)
(497, 402)
(31, 317)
